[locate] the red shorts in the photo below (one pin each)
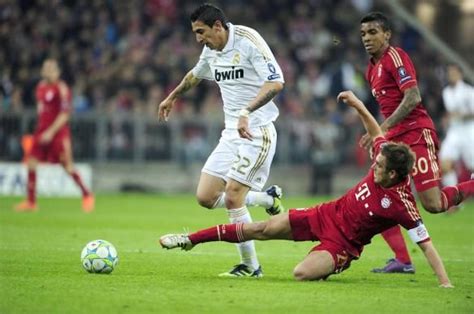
(55, 151)
(426, 172)
(312, 225)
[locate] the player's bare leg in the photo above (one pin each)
(277, 227)
(210, 190)
(437, 200)
(238, 213)
(316, 265)
(211, 194)
(88, 200)
(29, 205)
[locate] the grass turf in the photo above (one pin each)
(40, 269)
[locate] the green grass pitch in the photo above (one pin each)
(41, 272)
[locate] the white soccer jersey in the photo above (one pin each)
(240, 70)
(459, 99)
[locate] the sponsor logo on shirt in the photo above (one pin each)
(232, 74)
(49, 95)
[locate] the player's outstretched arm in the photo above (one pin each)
(188, 82)
(370, 124)
(436, 263)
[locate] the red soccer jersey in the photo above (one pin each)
(51, 101)
(368, 209)
(388, 79)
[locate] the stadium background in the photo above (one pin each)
(122, 57)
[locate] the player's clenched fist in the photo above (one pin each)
(349, 98)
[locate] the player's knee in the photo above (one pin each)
(32, 163)
(205, 201)
(302, 274)
(433, 206)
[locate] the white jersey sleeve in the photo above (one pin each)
(202, 70)
(261, 57)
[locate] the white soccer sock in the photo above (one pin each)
(248, 254)
(220, 202)
(259, 199)
(450, 178)
(252, 199)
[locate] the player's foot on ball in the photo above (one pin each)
(242, 270)
(26, 206)
(395, 266)
(172, 241)
(88, 203)
(277, 208)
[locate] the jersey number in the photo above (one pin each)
(420, 166)
(240, 168)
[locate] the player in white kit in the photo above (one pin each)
(458, 99)
(239, 60)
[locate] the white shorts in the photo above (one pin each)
(458, 145)
(242, 160)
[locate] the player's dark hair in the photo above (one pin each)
(209, 14)
(400, 158)
(379, 18)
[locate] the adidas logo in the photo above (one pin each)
(228, 75)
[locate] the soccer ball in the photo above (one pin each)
(99, 256)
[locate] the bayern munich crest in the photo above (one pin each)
(386, 202)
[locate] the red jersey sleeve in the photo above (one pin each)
(377, 145)
(401, 68)
(66, 97)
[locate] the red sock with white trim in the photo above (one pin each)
(454, 195)
(77, 178)
(228, 233)
(395, 240)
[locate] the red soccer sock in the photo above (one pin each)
(229, 233)
(75, 176)
(454, 195)
(31, 186)
(395, 240)
(466, 189)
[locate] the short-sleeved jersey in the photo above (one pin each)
(368, 209)
(388, 79)
(459, 99)
(51, 102)
(240, 70)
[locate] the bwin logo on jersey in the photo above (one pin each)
(228, 75)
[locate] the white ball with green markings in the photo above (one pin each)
(99, 256)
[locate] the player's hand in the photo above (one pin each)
(366, 141)
(446, 285)
(349, 98)
(164, 109)
(46, 137)
(243, 128)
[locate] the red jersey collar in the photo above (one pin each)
(383, 54)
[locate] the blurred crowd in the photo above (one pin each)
(121, 57)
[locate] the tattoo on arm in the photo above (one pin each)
(410, 99)
(188, 82)
(261, 101)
